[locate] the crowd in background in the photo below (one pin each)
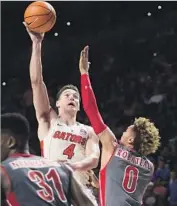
(122, 97)
(133, 72)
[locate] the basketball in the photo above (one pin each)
(40, 16)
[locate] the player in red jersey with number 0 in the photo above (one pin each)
(125, 170)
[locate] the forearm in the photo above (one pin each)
(90, 105)
(86, 164)
(35, 63)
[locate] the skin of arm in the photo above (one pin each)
(44, 112)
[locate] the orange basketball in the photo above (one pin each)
(40, 16)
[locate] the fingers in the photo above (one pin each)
(28, 30)
(24, 23)
(26, 26)
(84, 53)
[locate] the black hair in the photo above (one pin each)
(16, 125)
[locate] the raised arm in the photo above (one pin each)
(44, 113)
(105, 135)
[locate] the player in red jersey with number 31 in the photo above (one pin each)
(31, 180)
(125, 170)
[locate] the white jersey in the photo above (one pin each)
(67, 143)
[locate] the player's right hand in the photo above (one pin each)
(35, 37)
(83, 62)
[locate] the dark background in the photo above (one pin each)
(133, 56)
(133, 69)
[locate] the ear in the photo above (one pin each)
(11, 142)
(57, 103)
(131, 140)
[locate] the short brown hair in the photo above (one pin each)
(147, 138)
(68, 86)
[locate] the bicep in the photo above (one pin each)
(41, 101)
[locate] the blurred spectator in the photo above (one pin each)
(149, 198)
(162, 173)
(161, 192)
(173, 189)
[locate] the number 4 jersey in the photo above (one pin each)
(37, 181)
(124, 179)
(66, 143)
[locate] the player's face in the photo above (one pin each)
(69, 100)
(128, 136)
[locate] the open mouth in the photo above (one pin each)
(71, 104)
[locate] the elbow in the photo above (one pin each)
(36, 81)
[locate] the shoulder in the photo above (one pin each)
(89, 129)
(91, 134)
(151, 165)
(85, 130)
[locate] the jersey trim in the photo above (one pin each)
(109, 158)
(102, 181)
(20, 155)
(102, 190)
(12, 199)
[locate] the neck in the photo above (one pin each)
(129, 146)
(15, 151)
(67, 118)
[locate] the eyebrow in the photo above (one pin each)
(75, 93)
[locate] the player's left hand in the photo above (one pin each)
(83, 62)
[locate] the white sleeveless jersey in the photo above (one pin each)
(67, 143)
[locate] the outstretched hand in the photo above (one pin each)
(83, 62)
(35, 37)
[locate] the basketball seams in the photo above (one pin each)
(38, 19)
(43, 23)
(37, 15)
(41, 7)
(53, 21)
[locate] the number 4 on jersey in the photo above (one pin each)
(69, 151)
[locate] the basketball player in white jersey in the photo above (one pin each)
(61, 137)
